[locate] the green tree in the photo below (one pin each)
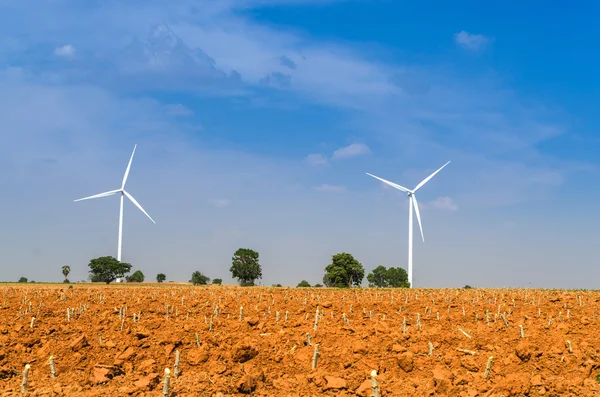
(378, 277)
(317, 286)
(107, 269)
(396, 277)
(160, 277)
(245, 266)
(136, 277)
(199, 278)
(344, 271)
(217, 281)
(23, 280)
(65, 271)
(303, 283)
(468, 286)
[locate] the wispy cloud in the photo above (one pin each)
(316, 159)
(66, 51)
(352, 150)
(177, 109)
(220, 202)
(471, 41)
(442, 203)
(330, 188)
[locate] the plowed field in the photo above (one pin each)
(420, 342)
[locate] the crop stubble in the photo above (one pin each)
(421, 342)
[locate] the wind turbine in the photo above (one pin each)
(412, 203)
(123, 193)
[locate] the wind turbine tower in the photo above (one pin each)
(412, 202)
(123, 193)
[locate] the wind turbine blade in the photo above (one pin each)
(392, 184)
(128, 168)
(424, 181)
(416, 205)
(105, 194)
(134, 201)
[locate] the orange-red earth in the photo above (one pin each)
(261, 341)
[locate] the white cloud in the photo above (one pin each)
(66, 51)
(443, 203)
(220, 202)
(353, 150)
(330, 188)
(315, 159)
(471, 41)
(177, 109)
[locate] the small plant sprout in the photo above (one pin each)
(316, 319)
(198, 340)
(32, 321)
(374, 384)
(430, 348)
(488, 367)
(521, 330)
(25, 376)
(286, 315)
(404, 325)
(241, 313)
(308, 339)
(276, 317)
(210, 324)
(68, 315)
(166, 383)
(52, 367)
(569, 347)
(315, 356)
(176, 368)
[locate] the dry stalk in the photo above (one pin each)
(471, 352)
(374, 384)
(315, 356)
(504, 320)
(25, 376)
(521, 330)
(52, 367)
(464, 333)
(430, 348)
(166, 382)
(176, 368)
(488, 367)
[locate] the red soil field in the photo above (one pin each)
(443, 349)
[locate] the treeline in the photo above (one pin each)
(344, 271)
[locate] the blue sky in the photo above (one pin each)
(257, 120)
